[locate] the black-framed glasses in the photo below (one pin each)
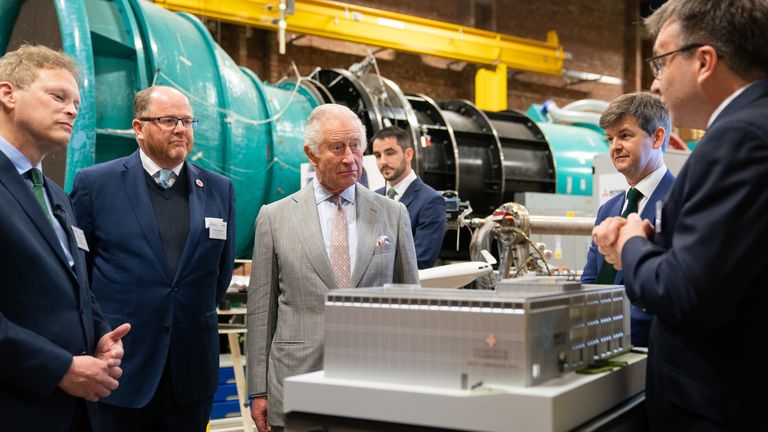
(169, 122)
(656, 63)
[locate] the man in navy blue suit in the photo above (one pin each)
(57, 349)
(701, 270)
(426, 208)
(637, 127)
(161, 232)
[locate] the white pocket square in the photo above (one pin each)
(383, 240)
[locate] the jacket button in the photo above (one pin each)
(174, 287)
(166, 328)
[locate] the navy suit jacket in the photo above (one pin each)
(703, 278)
(173, 315)
(426, 209)
(639, 319)
(47, 312)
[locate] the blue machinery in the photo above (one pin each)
(252, 131)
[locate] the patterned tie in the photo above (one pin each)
(166, 178)
(340, 246)
(391, 193)
(37, 189)
(607, 272)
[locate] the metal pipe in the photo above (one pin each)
(561, 225)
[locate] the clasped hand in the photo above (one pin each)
(94, 377)
(613, 232)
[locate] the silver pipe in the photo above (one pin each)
(561, 225)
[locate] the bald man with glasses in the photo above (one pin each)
(161, 235)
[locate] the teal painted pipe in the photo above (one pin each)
(249, 131)
(573, 148)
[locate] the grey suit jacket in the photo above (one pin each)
(291, 275)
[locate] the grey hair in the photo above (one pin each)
(313, 131)
(646, 108)
(735, 28)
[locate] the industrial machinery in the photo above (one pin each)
(507, 234)
(252, 131)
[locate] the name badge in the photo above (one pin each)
(217, 228)
(80, 238)
(659, 206)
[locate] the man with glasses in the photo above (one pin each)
(161, 236)
(699, 270)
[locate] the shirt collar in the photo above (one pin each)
(152, 168)
(725, 103)
(647, 185)
(321, 194)
(401, 187)
(19, 161)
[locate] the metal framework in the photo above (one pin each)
(400, 32)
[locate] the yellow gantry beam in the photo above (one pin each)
(400, 32)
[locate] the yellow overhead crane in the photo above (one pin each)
(364, 25)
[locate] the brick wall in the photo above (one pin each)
(602, 36)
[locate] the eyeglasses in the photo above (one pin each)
(171, 122)
(656, 63)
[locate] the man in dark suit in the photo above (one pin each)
(57, 350)
(161, 232)
(426, 208)
(702, 275)
(637, 127)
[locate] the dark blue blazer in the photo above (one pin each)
(173, 315)
(639, 319)
(47, 312)
(704, 279)
(426, 208)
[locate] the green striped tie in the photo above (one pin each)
(37, 188)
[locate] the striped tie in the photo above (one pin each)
(340, 246)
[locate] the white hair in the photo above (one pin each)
(313, 132)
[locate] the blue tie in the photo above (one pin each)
(165, 178)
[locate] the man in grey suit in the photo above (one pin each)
(331, 234)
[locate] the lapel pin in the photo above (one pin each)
(199, 183)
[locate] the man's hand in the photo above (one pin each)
(605, 236)
(259, 413)
(611, 235)
(89, 378)
(110, 349)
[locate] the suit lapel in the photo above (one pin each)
(136, 191)
(197, 197)
(66, 220)
(23, 195)
(308, 225)
(649, 212)
(411, 193)
(366, 232)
